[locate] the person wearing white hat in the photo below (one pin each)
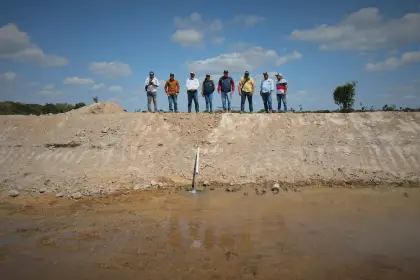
(281, 90)
(192, 88)
(150, 86)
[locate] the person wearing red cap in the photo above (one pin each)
(226, 87)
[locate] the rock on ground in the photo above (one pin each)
(13, 193)
(141, 187)
(76, 195)
(275, 188)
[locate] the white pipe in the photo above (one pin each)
(197, 159)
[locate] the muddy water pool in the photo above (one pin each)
(313, 234)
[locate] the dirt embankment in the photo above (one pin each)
(100, 149)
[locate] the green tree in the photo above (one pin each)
(387, 107)
(79, 105)
(50, 108)
(345, 96)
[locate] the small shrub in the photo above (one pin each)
(345, 95)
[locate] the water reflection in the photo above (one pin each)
(196, 234)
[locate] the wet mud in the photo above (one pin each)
(319, 233)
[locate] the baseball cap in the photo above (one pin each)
(207, 75)
(151, 73)
(172, 74)
(265, 73)
(279, 74)
(192, 73)
(226, 71)
(246, 73)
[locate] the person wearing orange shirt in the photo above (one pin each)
(172, 90)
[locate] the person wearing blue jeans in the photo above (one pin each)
(246, 89)
(281, 88)
(192, 88)
(226, 87)
(266, 88)
(226, 98)
(172, 90)
(207, 90)
(173, 100)
(281, 98)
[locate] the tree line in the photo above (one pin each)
(18, 108)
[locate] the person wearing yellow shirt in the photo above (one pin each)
(246, 90)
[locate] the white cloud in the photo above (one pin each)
(409, 96)
(77, 81)
(240, 46)
(218, 40)
(97, 86)
(9, 76)
(196, 21)
(49, 90)
(216, 25)
(115, 89)
(113, 69)
(191, 30)
(394, 62)
(364, 30)
(289, 57)
(250, 60)
(16, 45)
(248, 20)
(188, 37)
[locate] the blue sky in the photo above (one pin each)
(70, 51)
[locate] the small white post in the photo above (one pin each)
(195, 174)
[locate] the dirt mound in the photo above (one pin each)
(99, 108)
(97, 150)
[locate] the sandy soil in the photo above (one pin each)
(319, 233)
(100, 149)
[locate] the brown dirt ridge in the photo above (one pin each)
(101, 149)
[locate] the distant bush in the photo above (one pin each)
(345, 96)
(17, 108)
(387, 107)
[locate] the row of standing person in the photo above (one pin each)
(225, 87)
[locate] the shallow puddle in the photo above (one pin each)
(314, 234)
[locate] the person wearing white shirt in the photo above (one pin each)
(192, 91)
(150, 86)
